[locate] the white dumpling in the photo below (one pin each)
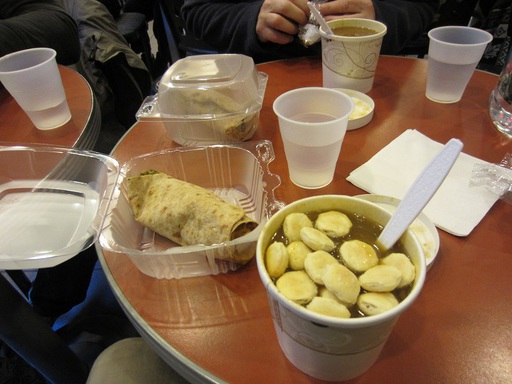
(342, 282)
(293, 223)
(315, 264)
(375, 303)
(324, 292)
(297, 286)
(276, 259)
(316, 240)
(381, 278)
(297, 252)
(328, 307)
(358, 256)
(404, 265)
(333, 223)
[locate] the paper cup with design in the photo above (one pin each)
(350, 56)
(323, 346)
(33, 79)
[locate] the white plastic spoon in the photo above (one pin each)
(319, 18)
(420, 193)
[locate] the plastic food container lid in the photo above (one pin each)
(211, 86)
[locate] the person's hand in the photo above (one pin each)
(279, 20)
(339, 9)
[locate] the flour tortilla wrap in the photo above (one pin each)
(185, 213)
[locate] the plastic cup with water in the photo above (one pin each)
(32, 77)
(313, 122)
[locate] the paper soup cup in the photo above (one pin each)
(325, 347)
(351, 61)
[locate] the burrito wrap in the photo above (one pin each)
(183, 212)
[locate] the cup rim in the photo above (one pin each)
(377, 35)
(488, 37)
(52, 54)
(306, 89)
(333, 321)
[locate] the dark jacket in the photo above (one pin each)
(230, 27)
(38, 23)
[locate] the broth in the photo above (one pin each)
(353, 31)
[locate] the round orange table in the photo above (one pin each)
(219, 328)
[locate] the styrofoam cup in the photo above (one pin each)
(313, 122)
(32, 77)
(324, 347)
(453, 54)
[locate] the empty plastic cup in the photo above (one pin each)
(453, 55)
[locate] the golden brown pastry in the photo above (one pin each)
(183, 212)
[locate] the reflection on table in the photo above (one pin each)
(219, 328)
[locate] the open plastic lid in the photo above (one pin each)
(53, 201)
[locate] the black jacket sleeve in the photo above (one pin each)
(406, 21)
(38, 23)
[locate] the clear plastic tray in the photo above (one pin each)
(53, 202)
(238, 173)
(208, 99)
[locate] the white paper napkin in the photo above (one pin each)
(456, 207)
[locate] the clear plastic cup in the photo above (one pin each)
(32, 77)
(313, 122)
(453, 54)
(351, 61)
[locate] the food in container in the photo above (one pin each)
(183, 212)
(208, 99)
(237, 173)
(318, 338)
(348, 264)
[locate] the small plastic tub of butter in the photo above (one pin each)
(363, 109)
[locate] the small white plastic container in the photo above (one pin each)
(364, 107)
(53, 201)
(237, 172)
(208, 99)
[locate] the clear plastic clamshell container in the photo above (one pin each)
(52, 203)
(238, 173)
(208, 99)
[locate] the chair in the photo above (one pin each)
(451, 12)
(132, 361)
(180, 42)
(134, 28)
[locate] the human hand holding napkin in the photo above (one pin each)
(455, 208)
